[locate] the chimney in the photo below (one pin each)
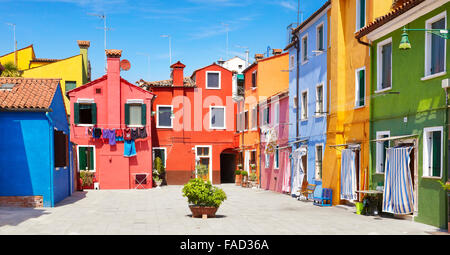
(259, 56)
(220, 62)
(113, 87)
(276, 51)
(84, 46)
(177, 73)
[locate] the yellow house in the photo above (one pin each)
(73, 71)
(348, 77)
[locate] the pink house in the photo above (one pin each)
(106, 106)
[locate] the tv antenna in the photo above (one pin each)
(104, 28)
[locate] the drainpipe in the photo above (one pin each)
(52, 157)
(297, 47)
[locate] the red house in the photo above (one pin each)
(106, 106)
(193, 123)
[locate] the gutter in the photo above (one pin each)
(52, 158)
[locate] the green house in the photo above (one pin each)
(408, 106)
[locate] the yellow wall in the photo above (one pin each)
(345, 123)
(70, 69)
(24, 56)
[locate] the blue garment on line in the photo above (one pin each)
(129, 148)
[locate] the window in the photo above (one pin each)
(267, 160)
(238, 122)
(159, 153)
(304, 49)
(255, 118)
(203, 151)
(360, 87)
(213, 80)
(253, 157)
(164, 116)
(246, 120)
(135, 113)
(276, 163)
(70, 85)
(319, 159)
(435, 46)
(381, 151)
(217, 115)
(432, 152)
(277, 114)
(319, 40)
(254, 79)
(61, 148)
(304, 105)
(384, 59)
(85, 113)
(319, 100)
(292, 62)
(86, 158)
(360, 14)
(265, 118)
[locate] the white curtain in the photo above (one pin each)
(348, 175)
(298, 172)
(247, 161)
(287, 173)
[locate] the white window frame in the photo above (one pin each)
(254, 117)
(316, 177)
(303, 61)
(357, 87)
(209, 156)
(302, 116)
(427, 151)
(380, 63)
(165, 154)
(78, 157)
(322, 24)
(320, 112)
(157, 116)
(379, 156)
(264, 115)
(135, 102)
(428, 36)
(224, 117)
(276, 113)
(358, 15)
(206, 79)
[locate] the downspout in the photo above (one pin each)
(52, 158)
(297, 46)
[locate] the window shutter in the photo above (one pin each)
(362, 13)
(94, 113)
(76, 113)
(91, 158)
(144, 114)
(436, 140)
(66, 149)
(127, 114)
(362, 92)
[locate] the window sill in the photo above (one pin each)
(218, 128)
(164, 127)
(378, 173)
(383, 90)
(319, 115)
(432, 177)
(432, 76)
(212, 88)
(305, 62)
(84, 125)
(359, 107)
(302, 120)
(135, 126)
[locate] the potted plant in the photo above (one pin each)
(253, 178)
(446, 187)
(157, 179)
(244, 178)
(202, 171)
(253, 167)
(238, 177)
(87, 179)
(159, 171)
(203, 197)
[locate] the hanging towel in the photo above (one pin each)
(119, 135)
(348, 175)
(129, 148)
(398, 195)
(142, 133)
(134, 134)
(112, 136)
(298, 173)
(97, 133)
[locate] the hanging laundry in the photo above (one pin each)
(97, 133)
(129, 148)
(348, 175)
(142, 132)
(127, 134)
(112, 136)
(298, 172)
(89, 131)
(119, 135)
(134, 134)
(105, 134)
(286, 174)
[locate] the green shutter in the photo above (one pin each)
(82, 158)
(94, 113)
(127, 114)
(362, 14)
(91, 158)
(144, 114)
(436, 136)
(362, 83)
(76, 113)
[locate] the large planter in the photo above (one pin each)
(199, 211)
(238, 180)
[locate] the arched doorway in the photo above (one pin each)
(227, 166)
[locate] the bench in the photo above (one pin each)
(307, 191)
(325, 199)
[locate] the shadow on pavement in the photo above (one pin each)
(15, 215)
(76, 196)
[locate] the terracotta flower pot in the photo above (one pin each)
(198, 211)
(238, 180)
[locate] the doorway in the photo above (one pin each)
(203, 157)
(227, 167)
(413, 167)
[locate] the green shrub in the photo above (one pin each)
(244, 173)
(202, 170)
(87, 177)
(238, 172)
(203, 193)
(159, 166)
(252, 177)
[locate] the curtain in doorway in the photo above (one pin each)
(287, 173)
(298, 173)
(247, 162)
(348, 175)
(398, 195)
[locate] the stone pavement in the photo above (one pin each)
(164, 211)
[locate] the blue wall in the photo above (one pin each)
(312, 73)
(26, 149)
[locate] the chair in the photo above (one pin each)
(308, 190)
(325, 199)
(140, 180)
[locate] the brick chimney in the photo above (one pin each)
(113, 87)
(259, 56)
(84, 46)
(177, 73)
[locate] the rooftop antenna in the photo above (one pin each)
(15, 43)
(104, 28)
(226, 25)
(170, 48)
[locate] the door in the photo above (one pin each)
(203, 157)
(413, 166)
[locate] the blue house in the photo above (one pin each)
(36, 158)
(308, 89)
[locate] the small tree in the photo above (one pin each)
(159, 166)
(10, 70)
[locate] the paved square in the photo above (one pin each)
(164, 211)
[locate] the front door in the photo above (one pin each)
(203, 157)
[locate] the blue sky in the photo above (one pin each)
(196, 27)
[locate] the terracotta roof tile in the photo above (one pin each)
(27, 93)
(44, 60)
(188, 82)
(84, 43)
(113, 53)
(399, 7)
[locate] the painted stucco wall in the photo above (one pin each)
(422, 102)
(24, 56)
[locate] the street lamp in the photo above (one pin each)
(170, 48)
(406, 45)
